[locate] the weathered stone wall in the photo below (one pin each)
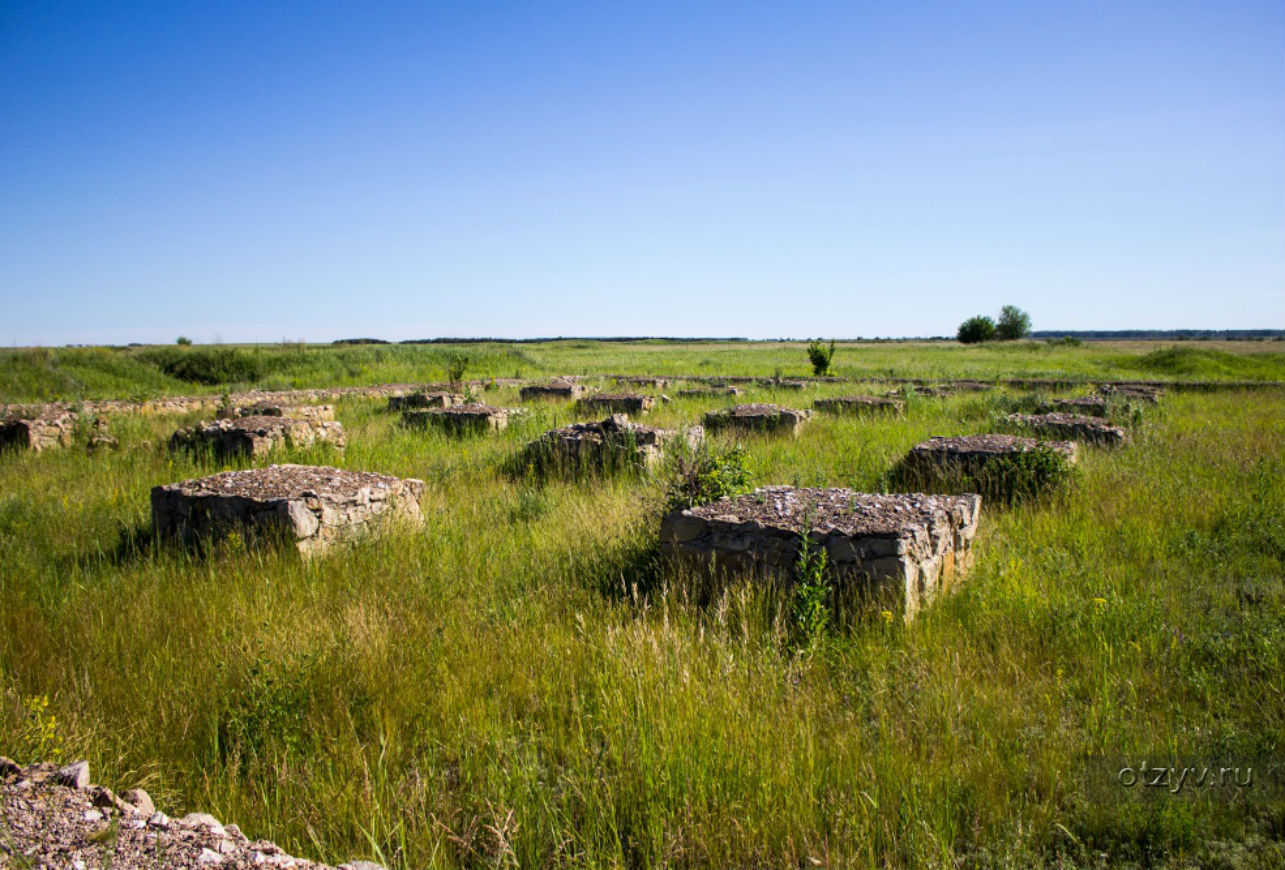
(463, 419)
(610, 443)
(441, 399)
(758, 418)
(258, 436)
(859, 405)
(972, 455)
(308, 506)
(617, 403)
(38, 433)
(901, 550)
(555, 390)
(278, 409)
(1073, 427)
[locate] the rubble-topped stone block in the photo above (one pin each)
(721, 390)
(617, 403)
(37, 433)
(1073, 427)
(463, 419)
(279, 409)
(309, 506)
(758, 418)
(784, 384)
(654, 383)
(859, 405)
(1132, 392)
(563, 388)
(1007, 467)
(901, 551)
(258, 436)
(440, 399)
(605, 444)
(931, 392)
(1093, 406)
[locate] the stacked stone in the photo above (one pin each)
(1093, 406)
(654, 383)
(970, 455)
(46, 429)
(901, 550)
(720, 390)
(441, 399)
(618, 403)
(280, 409)
(1074, 427)
(308, 506)
(859, 405)
(258, 436)
(605, 444)
(784, 384)
(1132, 392)
(463, 419)
(562, 388)
(939, 392)
(763, 418)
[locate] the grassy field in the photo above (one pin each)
(41, 374)
(519, 683)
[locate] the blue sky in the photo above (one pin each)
(253, 171)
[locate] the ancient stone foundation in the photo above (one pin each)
(900, 551)
(270, 409)
(654, 383)
(611, 443)
(308, 506)
(1132, 392)
(972, 456)
(617, 403)
(1073, 427)
(784, 384)
(759, 418)
(711, 391)
(859, 405)
(38, 433)
(424, 400)
(258, 436)
(930, 392)
(463, 419)
(562, 389)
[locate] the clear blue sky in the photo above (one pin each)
(251, 171)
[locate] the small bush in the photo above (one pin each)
(820, 356)
(1026, 475)
(183, 341)
(976, 329)
(703, 476)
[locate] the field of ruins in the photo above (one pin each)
(480, 605)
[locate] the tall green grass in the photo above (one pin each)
(520, 683)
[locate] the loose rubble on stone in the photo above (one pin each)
(723, 390)
(279, 409)
(784, 384)
(859, 405)
(921, 390)
(1132, 392)
(53, 817)
(463, 419)
(758, 418)
(1073, 427)
(438, 399)
(560, 388)
(617, 403)
(309, 506)
(642, 381)
(605, 444)
(42, 431)
(970, 455)
(256, 437)
(903, 549)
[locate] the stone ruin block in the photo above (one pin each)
(859, 405)
(931, 392)
(618, 403)
(463, 419)
(1073, 427)
(440, 399)
(38, 432)
(1132, 392)
(784, 384)
(255, 437)
(966, 457)
(275, 409)
(970, 386)
(643, 381)
(760, 418)
(606, 444)
(714, 390)
(308, 506)
(560, 389)
(1093, 406)
(899, 551)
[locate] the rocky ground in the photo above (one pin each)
(52, 817)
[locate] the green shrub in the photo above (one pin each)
(975, 330)
(820, 356)
(702, 476)
(1014, 323)
(1026, 475)
(210, 366)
